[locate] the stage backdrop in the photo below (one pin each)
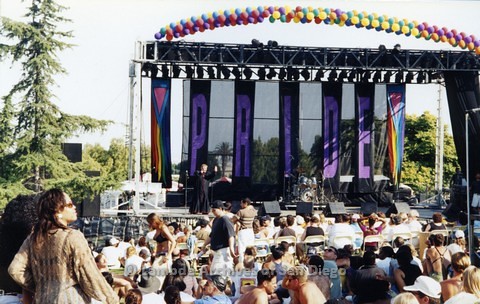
(265, 137)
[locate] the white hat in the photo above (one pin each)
(459, 234)
(355, 216)
(114, 241)
(300, 220)
(414, 213)
(427, 286)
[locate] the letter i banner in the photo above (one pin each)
(243, 133)
(395, 129)
(289, 127)
(161, 164)
(364, 113)
(332, 100)
(199, 114)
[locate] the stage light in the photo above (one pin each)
(305, 74)
(282, 74)
(353, 76)
(199, 72)
(256, 43)
(382, 48)
(296, 75)
(211, 72)
(387, 76)
(397, 48)
(319, 75)
(165, 71)
(262, 73)
(247, 72)
(399, 77)
(272, 43)
(421, 77)
(366, 76)
(189, 71)
(290, 72)
(342, 76)
(377, 77)
(225, 72)
(146, 69)
(176, 71)
(333, 75)
(236, 73)
(271, 73)
(409, 77)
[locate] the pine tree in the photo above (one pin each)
(39, 126)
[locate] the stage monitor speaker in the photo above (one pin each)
(73, 152)
(397, 208)
(304, 208)
(368, 208)
(175, 199)
(452, 212)
(91, 207)
(335, 209)
(271, 208)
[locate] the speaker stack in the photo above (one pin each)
(271, 208)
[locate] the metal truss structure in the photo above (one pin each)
(197, 60)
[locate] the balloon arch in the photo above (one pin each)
(286, 14)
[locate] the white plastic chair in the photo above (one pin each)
(342, 239)
(314, 239)
(378, 238)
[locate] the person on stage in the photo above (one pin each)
(201, 202)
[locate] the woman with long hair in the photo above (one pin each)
(471, 287)
(452, 286)
(165, 240)
(55, 261)
(134, 296)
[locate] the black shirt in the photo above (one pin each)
(222, 230)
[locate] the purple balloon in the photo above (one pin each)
(440, 32)
(216, 23)
(260, 19)
(206, 25)
(228, 22)
(458, 37)
(420, 27)
(186, 31)
(476, 43)
(158, 36)
(281, 10)
(176, 35)
(449, 35)
(251, 19)
(271, 9)
(467, 40)
(338, 12)
(195, 28)
(430, 29)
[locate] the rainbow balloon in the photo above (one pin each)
(328, 16)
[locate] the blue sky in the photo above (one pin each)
(105, 32)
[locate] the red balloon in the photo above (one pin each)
(169, 32)
(245, 22)
(318, 20)
(244, 15)
(233, 17)
(266, 13)
(189, 24)
(179, 28)
(291, 15)
(221, 18)
(255, 14)
(169, 37)
(298, 9)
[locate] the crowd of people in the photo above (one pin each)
(234, 258)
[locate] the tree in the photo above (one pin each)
(418, 169)
(35, 159)
(225, 151)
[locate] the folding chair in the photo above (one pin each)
(263, 248)
(313, 239)
(407, 236)
(343, 239)
(291, 240)
(378, 238)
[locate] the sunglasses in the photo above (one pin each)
(331, 250)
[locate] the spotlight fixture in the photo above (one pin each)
(382, 48)
(211, 72)
(225, 72)
(333, 75)
(189, 71)
(377, 77)
(342, 76)
(319, 75)
(295, 74)
(282, 74)
(272, 43)
(154, 71)
(271, 73)
(366, 76)
(165, 71)
(176, 71)
(146, 69)
(409, 77)
(199, 72)
(353, 76)
(399, 77)
(387, 76)
(262, 73)
(290, 72)
(397, 48)
(305, 74)
(236, 73)
(256, 43)
(247, 72)
(421, 77)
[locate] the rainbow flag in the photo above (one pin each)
(160, 133)
(396, 129)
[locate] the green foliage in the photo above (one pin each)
(418, 169)
(32, 127)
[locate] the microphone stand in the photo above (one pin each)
(186, 189)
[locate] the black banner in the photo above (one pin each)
(332, 110)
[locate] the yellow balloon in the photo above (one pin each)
(355, 12)
(287, 9)
(471, 46)
(443, 39)
(300, 15)
(365, 22)
(310, 9)
(462, 44)
(310, 16)
(333, 15)
(452, 41)
(395, 27)
(405, 29)
(343, 17)
(276, 14)
(322, 15)
(296, 19)
(375, 23)
(385, 25)
(477, 50)
(342, 23)
(355, 20)
(415, 31)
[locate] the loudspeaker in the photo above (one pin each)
(91, 207)
(175, 199)
(73, 152)
(452, 212)
(271, 208)
(369, 208)
(304, 208)
(334, 209)
(396, 208)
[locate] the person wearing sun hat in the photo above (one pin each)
(458, 244)
(213, 289)
(425, 289)
(149, 285)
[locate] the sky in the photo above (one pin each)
(105, 32)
